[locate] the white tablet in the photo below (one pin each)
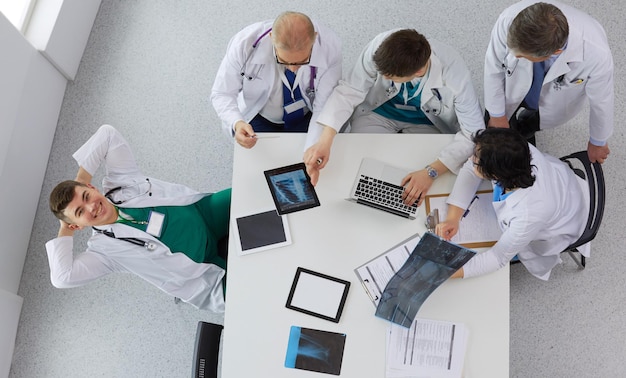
(261, 231)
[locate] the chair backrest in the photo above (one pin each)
(597, 194)
(206, 351)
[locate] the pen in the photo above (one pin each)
(466, 213)
(576, 81)
(264, 136)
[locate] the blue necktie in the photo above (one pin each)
(293, 117)
(532, 97)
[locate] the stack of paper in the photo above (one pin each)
(429, 348)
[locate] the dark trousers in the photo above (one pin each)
(262, 125)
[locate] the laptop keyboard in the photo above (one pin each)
(383, 193)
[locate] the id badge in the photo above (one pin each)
(406, 107)
(155, 223)
(297, 105)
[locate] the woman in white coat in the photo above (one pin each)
(123, 244)
(540, 203)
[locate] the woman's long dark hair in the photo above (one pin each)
(503, 155)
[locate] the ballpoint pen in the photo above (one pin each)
(466, 213)
(264, 136)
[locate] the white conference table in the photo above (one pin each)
(334, 239)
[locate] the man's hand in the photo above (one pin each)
(416, 185)
(316, 157)
(244, 134)
(83, 176)
(598, 154)
(500, 122)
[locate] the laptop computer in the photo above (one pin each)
(377, 185)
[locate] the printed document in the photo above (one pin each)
(429, 348)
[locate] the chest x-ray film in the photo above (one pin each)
(432, 262)
(291, 188)
(261, 231)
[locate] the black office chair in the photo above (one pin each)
(593, 174)
(206, 351)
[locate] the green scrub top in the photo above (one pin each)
(193, 230)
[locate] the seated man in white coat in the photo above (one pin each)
(544, 61)
(540, 203)
(404, 83)
(165, 233)
(276, 77)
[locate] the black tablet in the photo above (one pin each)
(291, 188)
(318, 294)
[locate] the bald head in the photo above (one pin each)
(293, 31)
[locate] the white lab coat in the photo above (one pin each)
(246, 76)
(587, 57)
(176, 274)
(457, 111)
(537, 222)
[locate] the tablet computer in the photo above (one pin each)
(291, 188)
(318, 294)
(261, 231)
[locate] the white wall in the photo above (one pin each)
(31, 94)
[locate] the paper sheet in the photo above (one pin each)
(376, 273)
(429, 348)
(479, 228)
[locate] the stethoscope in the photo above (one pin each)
(254, 45)
(150, 246)
(118, 188)
(310, 91)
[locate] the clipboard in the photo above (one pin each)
(377, 272)
(481, 223)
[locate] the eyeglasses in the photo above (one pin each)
(292, 64)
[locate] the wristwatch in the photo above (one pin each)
(432, 172)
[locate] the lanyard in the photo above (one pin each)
(283, 78)
(309, 91)
(405, 92)
(124, 220)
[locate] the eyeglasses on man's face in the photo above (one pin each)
(284, 62)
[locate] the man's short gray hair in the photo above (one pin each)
(538, 30)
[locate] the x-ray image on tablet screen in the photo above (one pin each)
(291, 188)
(261, 231)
